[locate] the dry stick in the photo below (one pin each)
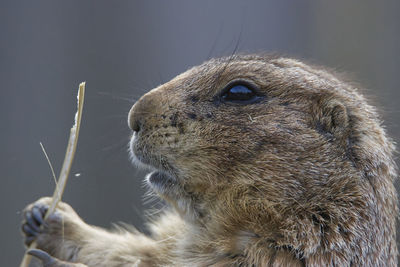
(66, 167)
(50, 165)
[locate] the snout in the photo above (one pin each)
(133, 120)
(142, 110)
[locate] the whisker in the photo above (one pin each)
(113, 96)
(120, 116)
(231, 57)
(215, 41)
(118, 146)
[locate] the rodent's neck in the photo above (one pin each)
(239, 219)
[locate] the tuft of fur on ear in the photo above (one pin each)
(330, 118)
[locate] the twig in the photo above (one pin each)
(49, 162)
(66, 167)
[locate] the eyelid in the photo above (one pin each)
(235, 82)
(259, 96)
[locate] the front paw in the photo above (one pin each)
(48, 232)
(34, 224)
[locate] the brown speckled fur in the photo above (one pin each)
(303, 177)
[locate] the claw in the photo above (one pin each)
(28, 230)
(49, 261)
(46, 259)
(31, 221)
(38, 214)
(43, 209)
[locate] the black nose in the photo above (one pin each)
(141, 111)
(133, 119)
(135, 125)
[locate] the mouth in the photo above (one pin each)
(161, 182)
(159, 179)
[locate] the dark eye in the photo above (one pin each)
(240, 93)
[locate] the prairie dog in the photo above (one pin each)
(262, 161)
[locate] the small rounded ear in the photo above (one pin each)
(330, 117)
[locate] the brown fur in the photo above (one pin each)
(302, 178)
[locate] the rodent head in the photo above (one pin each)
(244, 117)
(267, 135)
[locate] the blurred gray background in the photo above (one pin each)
(125, 48)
